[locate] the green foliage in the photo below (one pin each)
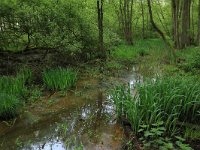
(192, 59)
(153, 137)
(35, 94)
(59, 79)
(154, 47)
(25, 74)
(13, 92)
(169, 99)
(114, 65)
(192, 133)
(45, 23)
(13, 86)
(8, 105)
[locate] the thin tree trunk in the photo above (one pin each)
(126, 13)
(175, 16)
(100, 28)
(198, 36)
(143, 30)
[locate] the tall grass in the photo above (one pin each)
(8, 105)
(171, 100)
(13, 92)
(12, 85)
(59, 79)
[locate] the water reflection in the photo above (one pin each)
(89, 124)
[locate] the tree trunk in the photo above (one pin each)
(143, 30)
(198, 36)
(102, 53)
(126, 14)
(185, 35)
(160, 31)
(175, 16)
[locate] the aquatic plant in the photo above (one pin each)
(59, 79)
(8, 106)
(13, 85)
(12, 93)
(171, 100)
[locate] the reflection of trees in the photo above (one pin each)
(93, 117)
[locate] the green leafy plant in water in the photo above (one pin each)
(59, 79)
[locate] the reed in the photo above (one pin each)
(171, 100)
(59, 79)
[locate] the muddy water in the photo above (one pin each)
(82, 118)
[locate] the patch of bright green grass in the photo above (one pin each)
(59, 79)
(154, 47)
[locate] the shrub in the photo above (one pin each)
(59, 79)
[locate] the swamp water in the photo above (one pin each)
(80, 119)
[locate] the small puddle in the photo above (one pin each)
(83, 118)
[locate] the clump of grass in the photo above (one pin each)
(59, 79)
(8, 106)
(13, 92)
(12, 89)
(25, 74)
(171, 100)
(12, 86)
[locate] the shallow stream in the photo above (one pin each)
(81, 118)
